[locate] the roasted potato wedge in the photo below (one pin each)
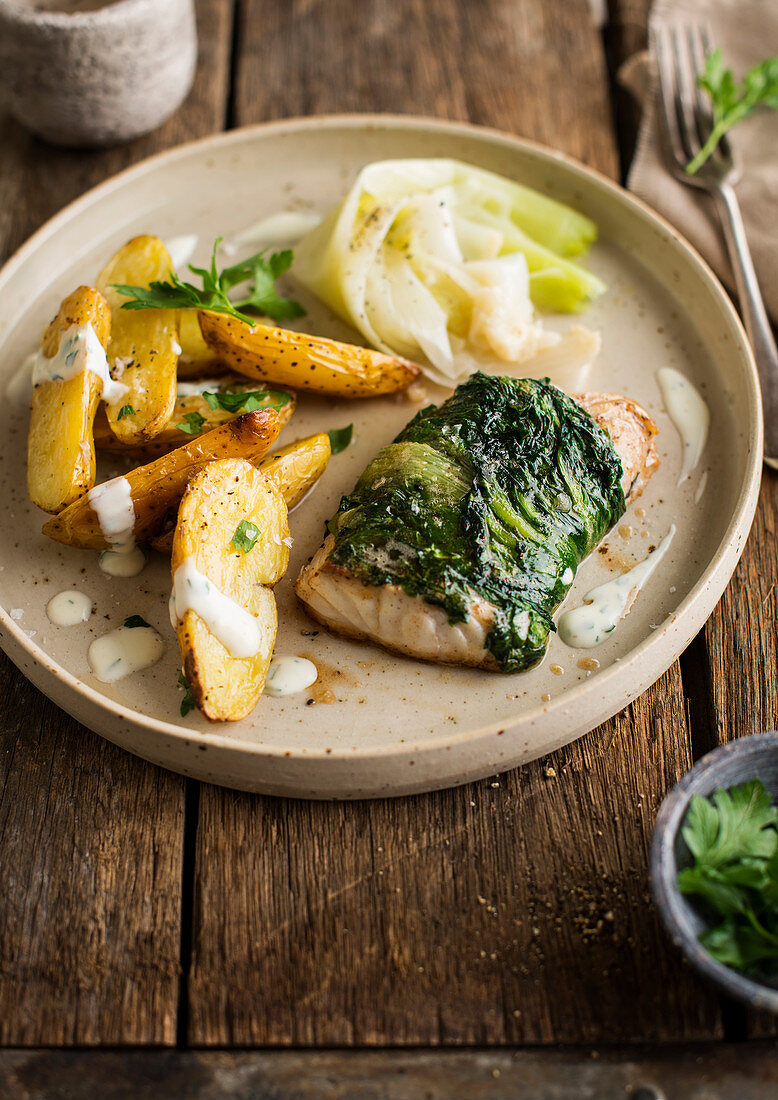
(197, 359)
(144, 342)
(293, 470)
(60, 448)
(296, 468)
(193, 416)
(304, 362)
(158, 486)
(223, 495)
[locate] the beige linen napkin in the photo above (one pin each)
(747, 31)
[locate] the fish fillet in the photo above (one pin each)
(390, 616)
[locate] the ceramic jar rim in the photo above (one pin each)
(114, 10)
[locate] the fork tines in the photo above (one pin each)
(680, 51)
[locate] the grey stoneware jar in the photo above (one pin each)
(84, 73)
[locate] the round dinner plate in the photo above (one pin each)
(376, 724)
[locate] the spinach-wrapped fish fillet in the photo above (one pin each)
(463, 535)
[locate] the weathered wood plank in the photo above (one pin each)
(745, 1071)
(489, 914)
(90, 837)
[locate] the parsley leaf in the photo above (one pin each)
(733, 840)
(246, 534)
(264, 298)
(187, 703)
(125, 410)
(194, 423)
(731, 101)
(135, 620)
(340, 438)
(259, 271)
(248, 401)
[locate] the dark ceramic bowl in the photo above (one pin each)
(748, 758)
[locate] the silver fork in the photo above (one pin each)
(680, 55)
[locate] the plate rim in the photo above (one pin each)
(716, 575)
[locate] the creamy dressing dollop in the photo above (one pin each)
(69, 608)
(113, 505)
(79, 350)
(689, 414)
(586, 626)
(203, 385)
(288, 675)
(124, 651)
(235, 627)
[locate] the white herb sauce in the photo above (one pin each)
(69, 608)
(586, 626)
(181, 249)
(237, 629)
(123, 651)
(193, 389)
(285, 227)
(79, 350)
(288, 675)
(689, 414)
(112, 504)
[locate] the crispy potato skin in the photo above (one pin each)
(304, 362)
(293, 470)
(227, 688)
(172, 436)
(60, 447)
(146, 339)
(158, 486)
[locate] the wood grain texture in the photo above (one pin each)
(90, 837)
(681, 1072)
(732, 669)
(505, 913)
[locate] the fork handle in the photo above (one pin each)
(754, 314)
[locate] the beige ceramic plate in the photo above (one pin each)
(379, 724)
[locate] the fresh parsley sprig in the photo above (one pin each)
(733, 101)
(193, 423)
(135, 621)
(733, 840)
(246, 535)
(340, 438)
(248, 401)
(259, 271)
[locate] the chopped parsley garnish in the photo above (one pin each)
(187, 703)
(259, 271)
(194, 423)
(246, 534)
(340, 438)
(135, 620)
(733, 101)
(125, 410)
(733, 840)
(248, 401)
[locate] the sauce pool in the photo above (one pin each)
(586, 626)
(69, 608)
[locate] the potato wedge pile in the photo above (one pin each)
(194, 400)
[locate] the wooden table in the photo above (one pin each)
(500, 935)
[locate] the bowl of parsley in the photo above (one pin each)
(714, 868)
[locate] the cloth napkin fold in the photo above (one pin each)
(747, 31)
